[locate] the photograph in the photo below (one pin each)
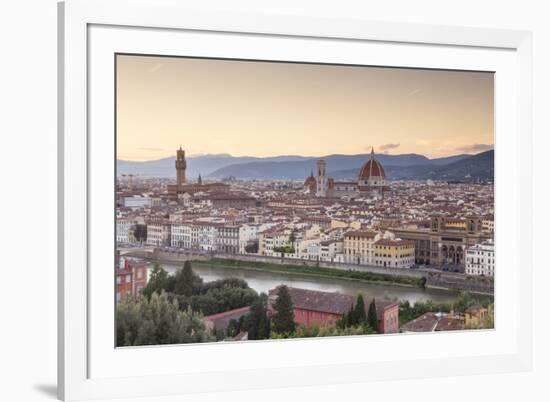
(270, 200)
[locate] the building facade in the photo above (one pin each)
(123, 227)
(180, 235)
(441, 244)
(394, 253)
(136, 202)
(158, 233)
(227, 239)
(480, 259)
(325, 308)
(359, 247)
(131, 278)
(248, 235)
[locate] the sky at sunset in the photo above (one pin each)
(268, 108)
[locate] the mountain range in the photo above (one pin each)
(463, 167)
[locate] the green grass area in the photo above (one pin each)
(315, 271)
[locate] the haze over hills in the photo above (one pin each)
(462, 167)
(203, 164)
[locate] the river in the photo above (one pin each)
(262, 281)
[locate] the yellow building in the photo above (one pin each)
(458, 224)
(359, 247)
(342, 224)
(393, 253)
(476, 317)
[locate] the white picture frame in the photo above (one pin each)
(92, 31)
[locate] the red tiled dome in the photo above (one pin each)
(310, 181)
(372, 168)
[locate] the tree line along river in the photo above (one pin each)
(262, 281)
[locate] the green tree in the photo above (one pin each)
(224, 284)
(187, 282)
(218, 300)
(283, 319)
(359, 313)
(257, 322)
(156, 321)
(157, 281)
(146, 333)
(372, 317)
(236, 326)
(464, 302)
(347, 319)
(490, 322)
(315, 330)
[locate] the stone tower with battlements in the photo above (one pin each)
(181, 165)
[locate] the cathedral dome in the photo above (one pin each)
(310, 181)
(372, 169)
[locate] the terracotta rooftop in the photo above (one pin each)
(390, 242)
(430, 322)
(361, 233)
(327, 302)
(221, 320)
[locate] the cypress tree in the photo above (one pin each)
(257, 320)
(266, 334)
(359, 311)
(283, 320)
(157, 281)
(372, 318)
(350, 318)
(186, 280)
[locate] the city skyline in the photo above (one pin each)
(205, 104)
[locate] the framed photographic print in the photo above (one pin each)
(254, 201)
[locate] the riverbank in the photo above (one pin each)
(263, 281)
(416, 278)
(319, 272)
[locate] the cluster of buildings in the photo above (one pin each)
(313, 306)
(326, 308)
(480, 259)
(473, 317)
(367, 221)
(131, 277)
(371, 181)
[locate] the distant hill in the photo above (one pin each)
(448, 159)
(299, 169)
(294, 167)
(467, 168)
(473, 168)
(203, 164)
